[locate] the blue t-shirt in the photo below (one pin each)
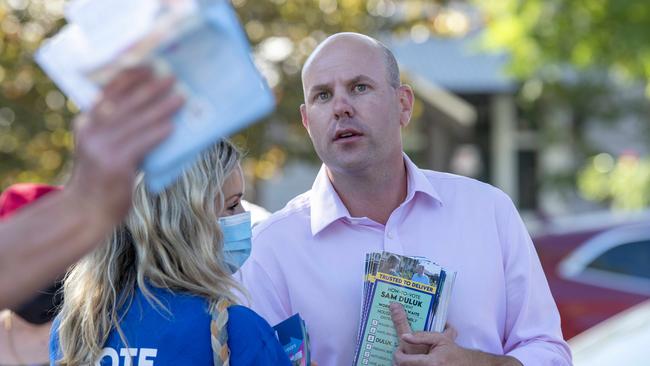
(182, 335)
(421, 278)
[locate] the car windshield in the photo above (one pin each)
(630, 259)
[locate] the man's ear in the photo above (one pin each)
(405, 104)
(303, 116)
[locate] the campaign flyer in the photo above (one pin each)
(292, 334)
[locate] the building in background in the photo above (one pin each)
(468, 122)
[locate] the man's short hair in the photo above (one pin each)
(391, 66)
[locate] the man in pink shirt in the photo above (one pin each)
(308, 258)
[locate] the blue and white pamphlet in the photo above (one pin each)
(200, 42)
(420, 285)
(293, 336)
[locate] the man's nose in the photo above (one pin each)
(342, 107)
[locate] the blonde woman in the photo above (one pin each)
(160, 292)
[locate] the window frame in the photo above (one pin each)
(575, 266)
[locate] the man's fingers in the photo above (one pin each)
(402, 359)
(126, 80)
(138, 147)
(80, 121)
(144, 97)
(118, 96)
(401, 322)
(450, 332)
(402, 327)
(162, 110)
(424, 338)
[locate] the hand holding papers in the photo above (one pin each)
(107, 151)
(199, 41)
(422, 287)
(292, 334)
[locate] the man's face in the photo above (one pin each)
(352, 113)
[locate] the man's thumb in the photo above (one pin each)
(400, 320)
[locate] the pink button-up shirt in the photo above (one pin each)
(308, 258)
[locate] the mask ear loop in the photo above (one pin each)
(7, 319)
(9, 326)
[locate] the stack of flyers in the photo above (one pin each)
(421, 286)
(200, 42)
(292, 334)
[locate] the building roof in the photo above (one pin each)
(455, 64)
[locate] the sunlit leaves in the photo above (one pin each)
(588, 33)
(34, 137)
(624, 182)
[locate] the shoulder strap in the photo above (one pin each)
(219, 333)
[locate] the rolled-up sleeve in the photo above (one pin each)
(532, 329)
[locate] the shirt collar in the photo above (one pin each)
(418, 182)
(327, 207)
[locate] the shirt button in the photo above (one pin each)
(389, 235)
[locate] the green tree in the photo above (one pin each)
(603, 34)
(624, 183)
(35, 138)
(588, 57)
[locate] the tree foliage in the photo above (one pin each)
(35, 138)
(624, 183)
(592, 59)
(602, 34)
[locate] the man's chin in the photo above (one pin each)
(350, 164)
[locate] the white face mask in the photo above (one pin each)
(237, 235)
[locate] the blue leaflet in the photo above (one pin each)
(210, 57)
(293, 337)
(226, 93)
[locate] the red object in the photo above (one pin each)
(582, 305)
(19, 195)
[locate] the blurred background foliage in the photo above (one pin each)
(577, 54)
(35, 138)
(590, 57)
(584, 34)
(622, 182)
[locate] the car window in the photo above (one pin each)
(630, 259)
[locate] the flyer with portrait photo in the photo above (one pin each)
(418, 284)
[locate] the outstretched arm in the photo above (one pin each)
(38, 243)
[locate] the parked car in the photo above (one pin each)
(596, 272)
(620, 340)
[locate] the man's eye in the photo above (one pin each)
(234, 206)
(322, 96)
(360, 88)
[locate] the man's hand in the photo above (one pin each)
(40, 242)
(444, 352)
(402, 327)
(441, 350)
(436, 349)
(132, 116)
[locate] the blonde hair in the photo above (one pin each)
(170, 240)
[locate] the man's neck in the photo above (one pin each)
(375, 193)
